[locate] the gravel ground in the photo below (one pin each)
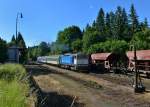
(89, 90)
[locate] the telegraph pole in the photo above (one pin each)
(17, 18)
(139, 88)
(136, 72)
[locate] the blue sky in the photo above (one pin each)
(44, 18)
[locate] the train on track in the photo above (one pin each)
(76, 61)
(101, 61)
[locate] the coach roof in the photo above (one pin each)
(141, 54)
(100, 56)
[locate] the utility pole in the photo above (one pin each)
(139, 88)
(136, 72)
(17, 18)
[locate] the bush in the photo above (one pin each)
(12, 72)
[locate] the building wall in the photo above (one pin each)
(13, 54)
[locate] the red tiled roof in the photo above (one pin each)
(141, 55)
(100, 56)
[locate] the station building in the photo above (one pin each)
(13, 54)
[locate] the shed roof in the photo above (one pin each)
(141, 55)
(100, 56)
(15, 47)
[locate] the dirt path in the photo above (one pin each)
(72, 84)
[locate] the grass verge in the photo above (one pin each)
(13, 88)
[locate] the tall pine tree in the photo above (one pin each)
(108, 26)
(118, 23)
(126, 32)
(134, 23)
(100, 22)
(21, 44)
(112, 24)
(13, 41)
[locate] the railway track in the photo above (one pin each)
(90, 90)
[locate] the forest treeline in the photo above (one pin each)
(114, 31)
(15, 41)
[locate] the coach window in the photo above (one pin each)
(107, 63)
(75, 57)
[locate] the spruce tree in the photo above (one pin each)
(21, 44)
(107, 26)
(134, 23)
(118, 23)
(13, 41)
(87, 26)
(100, 21)
(112, 24)
(126, 32)
(94, 24)
(125, 18)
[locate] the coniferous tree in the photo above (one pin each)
(112, 24)
(3, 50)
(13, 38)
(87, 26)
(108, 26)
(100, 22)
(13, 41)
(126, 32)
(134, 23)
(118, 23)
(21, 44)
(94, 24)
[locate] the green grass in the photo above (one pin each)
(13, 91)
(12, 72)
